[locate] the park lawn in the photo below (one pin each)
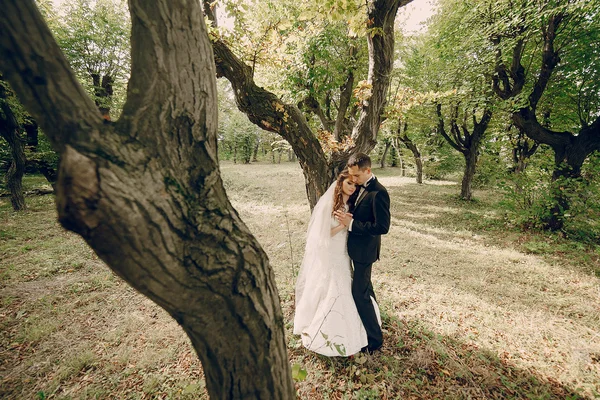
(473, 308)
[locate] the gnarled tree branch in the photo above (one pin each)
(266, 110)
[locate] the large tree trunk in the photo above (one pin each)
(561, 202)
(380, 40)
(9, 130)
(567, 166)
(146, 192)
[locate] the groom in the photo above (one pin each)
(369, 220)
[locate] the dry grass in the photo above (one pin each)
(465, 314)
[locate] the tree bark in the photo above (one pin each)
(419, 164)
(146, 194)
(341, 121)
(14, 175)
(380, 40)
(9, 130)
(466, 187)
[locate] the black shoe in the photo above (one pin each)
(370, 350)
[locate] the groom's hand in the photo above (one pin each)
(343, 217)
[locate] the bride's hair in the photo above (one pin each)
(338, 193)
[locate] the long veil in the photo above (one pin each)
(316, 259)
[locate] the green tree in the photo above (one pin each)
(239, 137)
(322, 77)
(448, 72)
(94, 36)
(272, 113)
(145, 191)
(403, 106)
(547, 67)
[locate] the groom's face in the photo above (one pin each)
(359, 176)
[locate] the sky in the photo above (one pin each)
(410, 16)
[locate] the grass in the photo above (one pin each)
(473, 308)
(487, 217)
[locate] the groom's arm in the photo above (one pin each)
(381, 212)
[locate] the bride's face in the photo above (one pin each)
(348, 186)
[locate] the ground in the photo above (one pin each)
(467, 314)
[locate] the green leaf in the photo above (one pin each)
(340, 349)
(298, 374)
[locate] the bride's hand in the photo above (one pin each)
(343, 218)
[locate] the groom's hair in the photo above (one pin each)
(359, 159)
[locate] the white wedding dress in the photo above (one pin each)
(326, 315)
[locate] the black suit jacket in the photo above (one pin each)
(371, 215)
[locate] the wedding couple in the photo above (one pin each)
(336, 310)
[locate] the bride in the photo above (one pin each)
(326, 316)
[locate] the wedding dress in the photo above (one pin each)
(326, 315)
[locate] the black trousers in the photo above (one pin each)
(362, 291)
